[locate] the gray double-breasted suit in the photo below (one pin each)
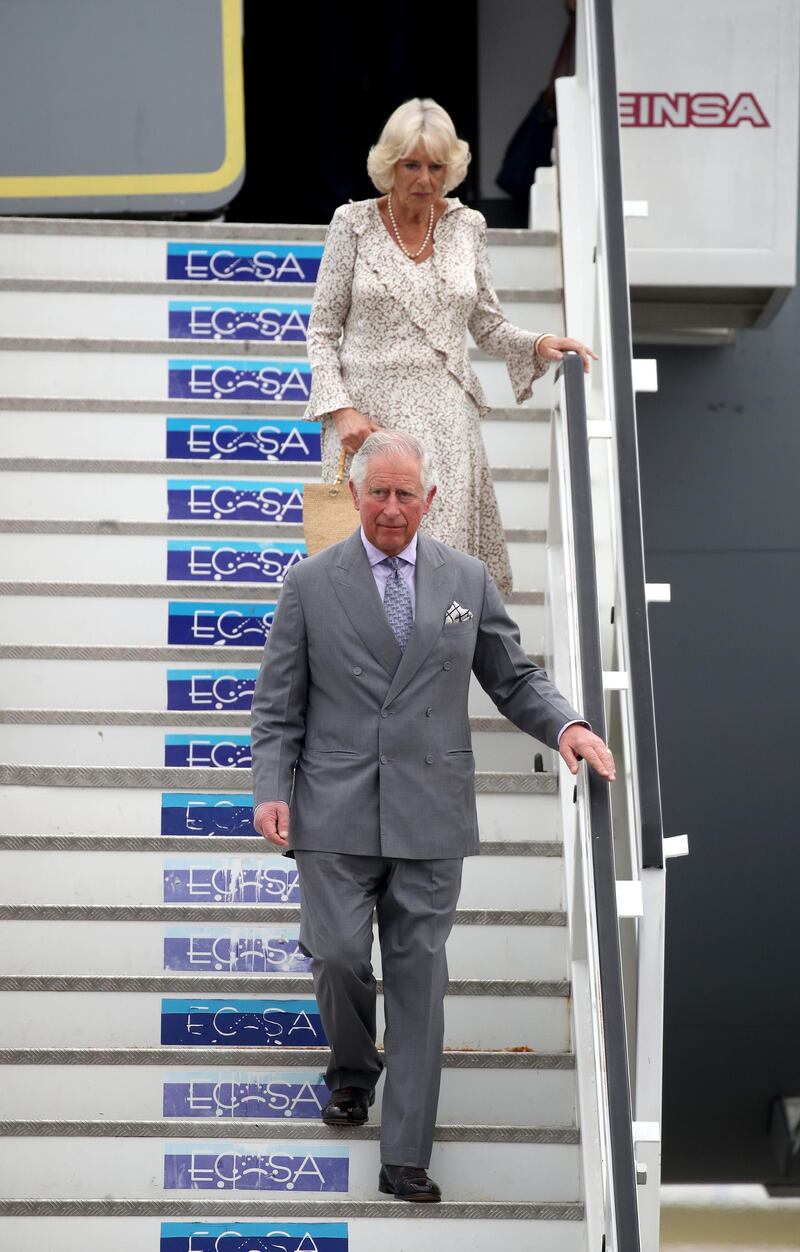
(371, 748)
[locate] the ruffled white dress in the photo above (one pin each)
(387, 336)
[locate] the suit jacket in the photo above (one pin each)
(372, 748)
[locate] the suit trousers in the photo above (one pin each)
(415, 902)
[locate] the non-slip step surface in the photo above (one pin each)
(227, 380)
(205, 815)
(207, 1012)
(287, 1090)
(68, 872)
(512, 436)
(228, 780)
(332, 1226)
(311, 1167)
(192, 743)
(59, 941)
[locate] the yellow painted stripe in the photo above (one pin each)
(46, 186)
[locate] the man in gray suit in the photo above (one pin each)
(361, 741)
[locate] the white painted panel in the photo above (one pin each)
(138, 948)
(137, 878)
(132, 1234)
(144, 376)
(134, 1169)
(516, 443)
(143, 497)
(98, 315)
(533, 1097)
(112, 620)
(143, 558)
(77, 1019)
(132, 811)
(134, 436)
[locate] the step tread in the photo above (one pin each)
(199, 1210)
(171, 778)
(179, 717)
(260, 349)
(266, 1057)
(138, 652)
(201, 1127)
(245, 845)
(224, 469)
(244, 408)
(244, 914)
(235, 984)
(185, 591)
(176, 528)
(222, 232)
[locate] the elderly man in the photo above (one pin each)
(362, 764)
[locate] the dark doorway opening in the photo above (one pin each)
(321, 80)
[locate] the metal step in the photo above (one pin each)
(517, 436)
(56, 940)
(130, 1012)
(266, 314)
(115, 688)
(58, 741)
(65, 555)
(489, 1089)
(39, 869)
(169, 374)
(348, 1226)
(205, 816)
(32, 249)
(153, 614)
(65, 489)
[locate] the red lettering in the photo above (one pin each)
(683, 108)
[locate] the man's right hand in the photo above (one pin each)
(271, 820)
(352, 428)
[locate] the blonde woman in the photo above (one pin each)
(403, 278)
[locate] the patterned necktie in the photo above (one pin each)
(397, 603)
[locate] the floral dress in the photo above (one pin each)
(387, 336)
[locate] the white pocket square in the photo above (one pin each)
(457, 613)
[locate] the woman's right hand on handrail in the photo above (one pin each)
(352, 428)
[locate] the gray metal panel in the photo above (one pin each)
(105, 87)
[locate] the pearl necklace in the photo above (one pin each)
(412, 256)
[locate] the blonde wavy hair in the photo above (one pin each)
(418, 121)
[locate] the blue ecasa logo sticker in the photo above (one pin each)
(245, 561)
(219, 625)
(243, 263)
(234, 880)
(233, 500)
(277, 441)
(264, 1167)
(282, 382)
(272, 1095)
(275, 322)
(226, 950)
(237, 1022)
(207, 815)
(265, 1235)
(207, 751)
(213, 689)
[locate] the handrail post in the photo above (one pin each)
(623, 1167)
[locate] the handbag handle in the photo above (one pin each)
(339, 479)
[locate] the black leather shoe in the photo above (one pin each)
(408, 1182)
(348, 1106)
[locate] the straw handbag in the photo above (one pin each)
(328, 513)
